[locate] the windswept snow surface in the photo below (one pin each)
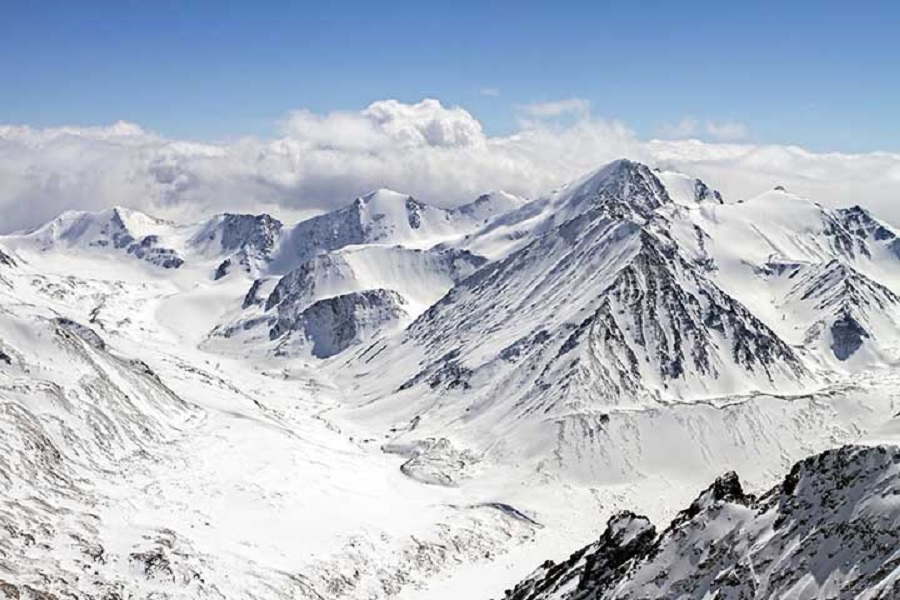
(395, 400)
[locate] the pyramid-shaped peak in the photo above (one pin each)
(624, 183)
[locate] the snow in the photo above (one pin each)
(446, 454)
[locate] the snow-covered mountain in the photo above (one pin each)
(613, 296)
(386, 217)
(117, 228)
(396, 283)
(830, 529)
(246, 241)
(399, 400)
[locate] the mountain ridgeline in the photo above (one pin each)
(830, 529)
(617, 343)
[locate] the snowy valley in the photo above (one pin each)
(398, 400)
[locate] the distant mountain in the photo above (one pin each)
(355, 405)
(846, 313)
(386, 217)
(247, 241)
(403, 282)
(118, 229)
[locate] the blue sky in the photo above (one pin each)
(825, 75)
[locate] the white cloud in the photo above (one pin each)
(690, 127)
(439, 154)
(726, 130)
(557, 108)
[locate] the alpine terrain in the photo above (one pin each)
(697, 395)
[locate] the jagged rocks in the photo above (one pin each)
(836, 514)
(242, 231)
(332, 325)
(627, 537)
(704, 193)
(247, 240)
(148, 250)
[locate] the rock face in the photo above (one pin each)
(148, 250)
(840, 308)
(84, 332)
(389, 218)
(859, 232)
(704, 193)
(603, 309)
(6, 259)
(249, 231)
(831, 529)
(332, 325)
(847, 336)
(410, 279)
(247, 241)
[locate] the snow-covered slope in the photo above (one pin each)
(605, 311)
(405, 281)
(831, 529)
(388, 218)
(117, 228)
(400, 400)
(73, 412)
(244, 240)
(841, 313)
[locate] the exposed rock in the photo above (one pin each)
(847, 336)
(835, 515)
(332, 325)
(148, 250)
(83, 331)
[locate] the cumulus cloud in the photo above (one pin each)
(439, 154)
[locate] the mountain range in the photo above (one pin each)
(395, 399)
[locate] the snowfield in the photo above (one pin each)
(394, 400)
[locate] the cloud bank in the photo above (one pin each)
(437, 153)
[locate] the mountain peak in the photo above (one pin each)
(622, 185)
(117, 228)
(384, 195)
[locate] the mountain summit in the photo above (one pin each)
(395, 398)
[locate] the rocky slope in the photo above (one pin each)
(355, 405)
(609, 308)
(830, 529)
(117, 229)
(386, 217)
(246, 241)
